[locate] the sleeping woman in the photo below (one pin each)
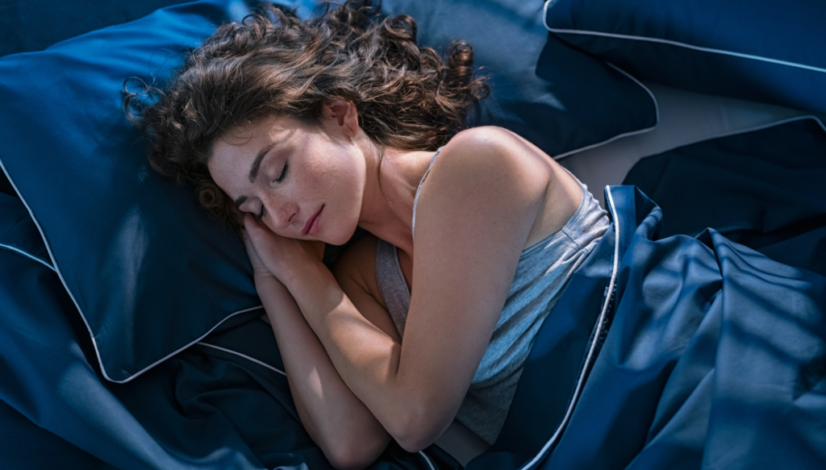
(303, 131)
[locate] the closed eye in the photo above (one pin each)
(283, 174)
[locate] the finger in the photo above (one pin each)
(246, 237)
(250, 223)
(253, 229)
(249, 244)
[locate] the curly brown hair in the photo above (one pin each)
(272, 63)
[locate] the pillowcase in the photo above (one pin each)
(553, 95)
(18, 232)
(149, 272)
(33, 25)
(758, 50)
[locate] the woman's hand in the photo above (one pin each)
(274, 255)
(258, 268)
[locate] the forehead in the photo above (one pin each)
(234, 152)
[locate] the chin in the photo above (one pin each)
(340, 237)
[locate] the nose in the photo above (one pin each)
(283, 213)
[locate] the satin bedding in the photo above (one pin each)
(673, 346)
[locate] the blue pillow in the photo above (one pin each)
(33, 25)
(149, 272)
(758, 50)
(553, 95)
(18, 232)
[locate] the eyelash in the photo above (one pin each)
(283, 174)
(280, 178)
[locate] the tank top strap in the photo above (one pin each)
(391, 283)
(419, 189)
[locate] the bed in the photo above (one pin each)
(694, 336)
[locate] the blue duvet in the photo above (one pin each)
(704, 354)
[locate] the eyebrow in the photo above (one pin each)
(256, 165)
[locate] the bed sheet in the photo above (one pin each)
(684, 117)
(761, 189)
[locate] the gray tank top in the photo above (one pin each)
(541, 275)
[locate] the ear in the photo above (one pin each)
(341, 115)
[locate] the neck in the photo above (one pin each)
(387, 207)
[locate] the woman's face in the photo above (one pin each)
(302, 180)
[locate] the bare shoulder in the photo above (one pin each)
(493, 158)
(491, 141)
(498, 149)
(504, 174)
(484, 135)
(484, 177)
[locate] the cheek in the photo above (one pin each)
(313, 184)
(344, 191)
(349, 184)
(337, 179)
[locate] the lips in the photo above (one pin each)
(312, 223)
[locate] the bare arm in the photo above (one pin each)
(347, 432)
(481, 204)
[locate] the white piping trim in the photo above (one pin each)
(27, 255)
(600, 320)
(427, 459)
(136, 374)
(251, 359)
(548, 4)
(83, 317)
(56, 269)
(627, 134)
(674, 43)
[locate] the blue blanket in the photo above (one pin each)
(704, 354)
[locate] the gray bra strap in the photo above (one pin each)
(391, 284)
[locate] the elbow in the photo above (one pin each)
(350, 459)
(415, 430)
(415, 444)
(354, 450)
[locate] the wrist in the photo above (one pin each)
(305, 278)
(300, 271)
(261, 272)
(267, 281)
(263, 278)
